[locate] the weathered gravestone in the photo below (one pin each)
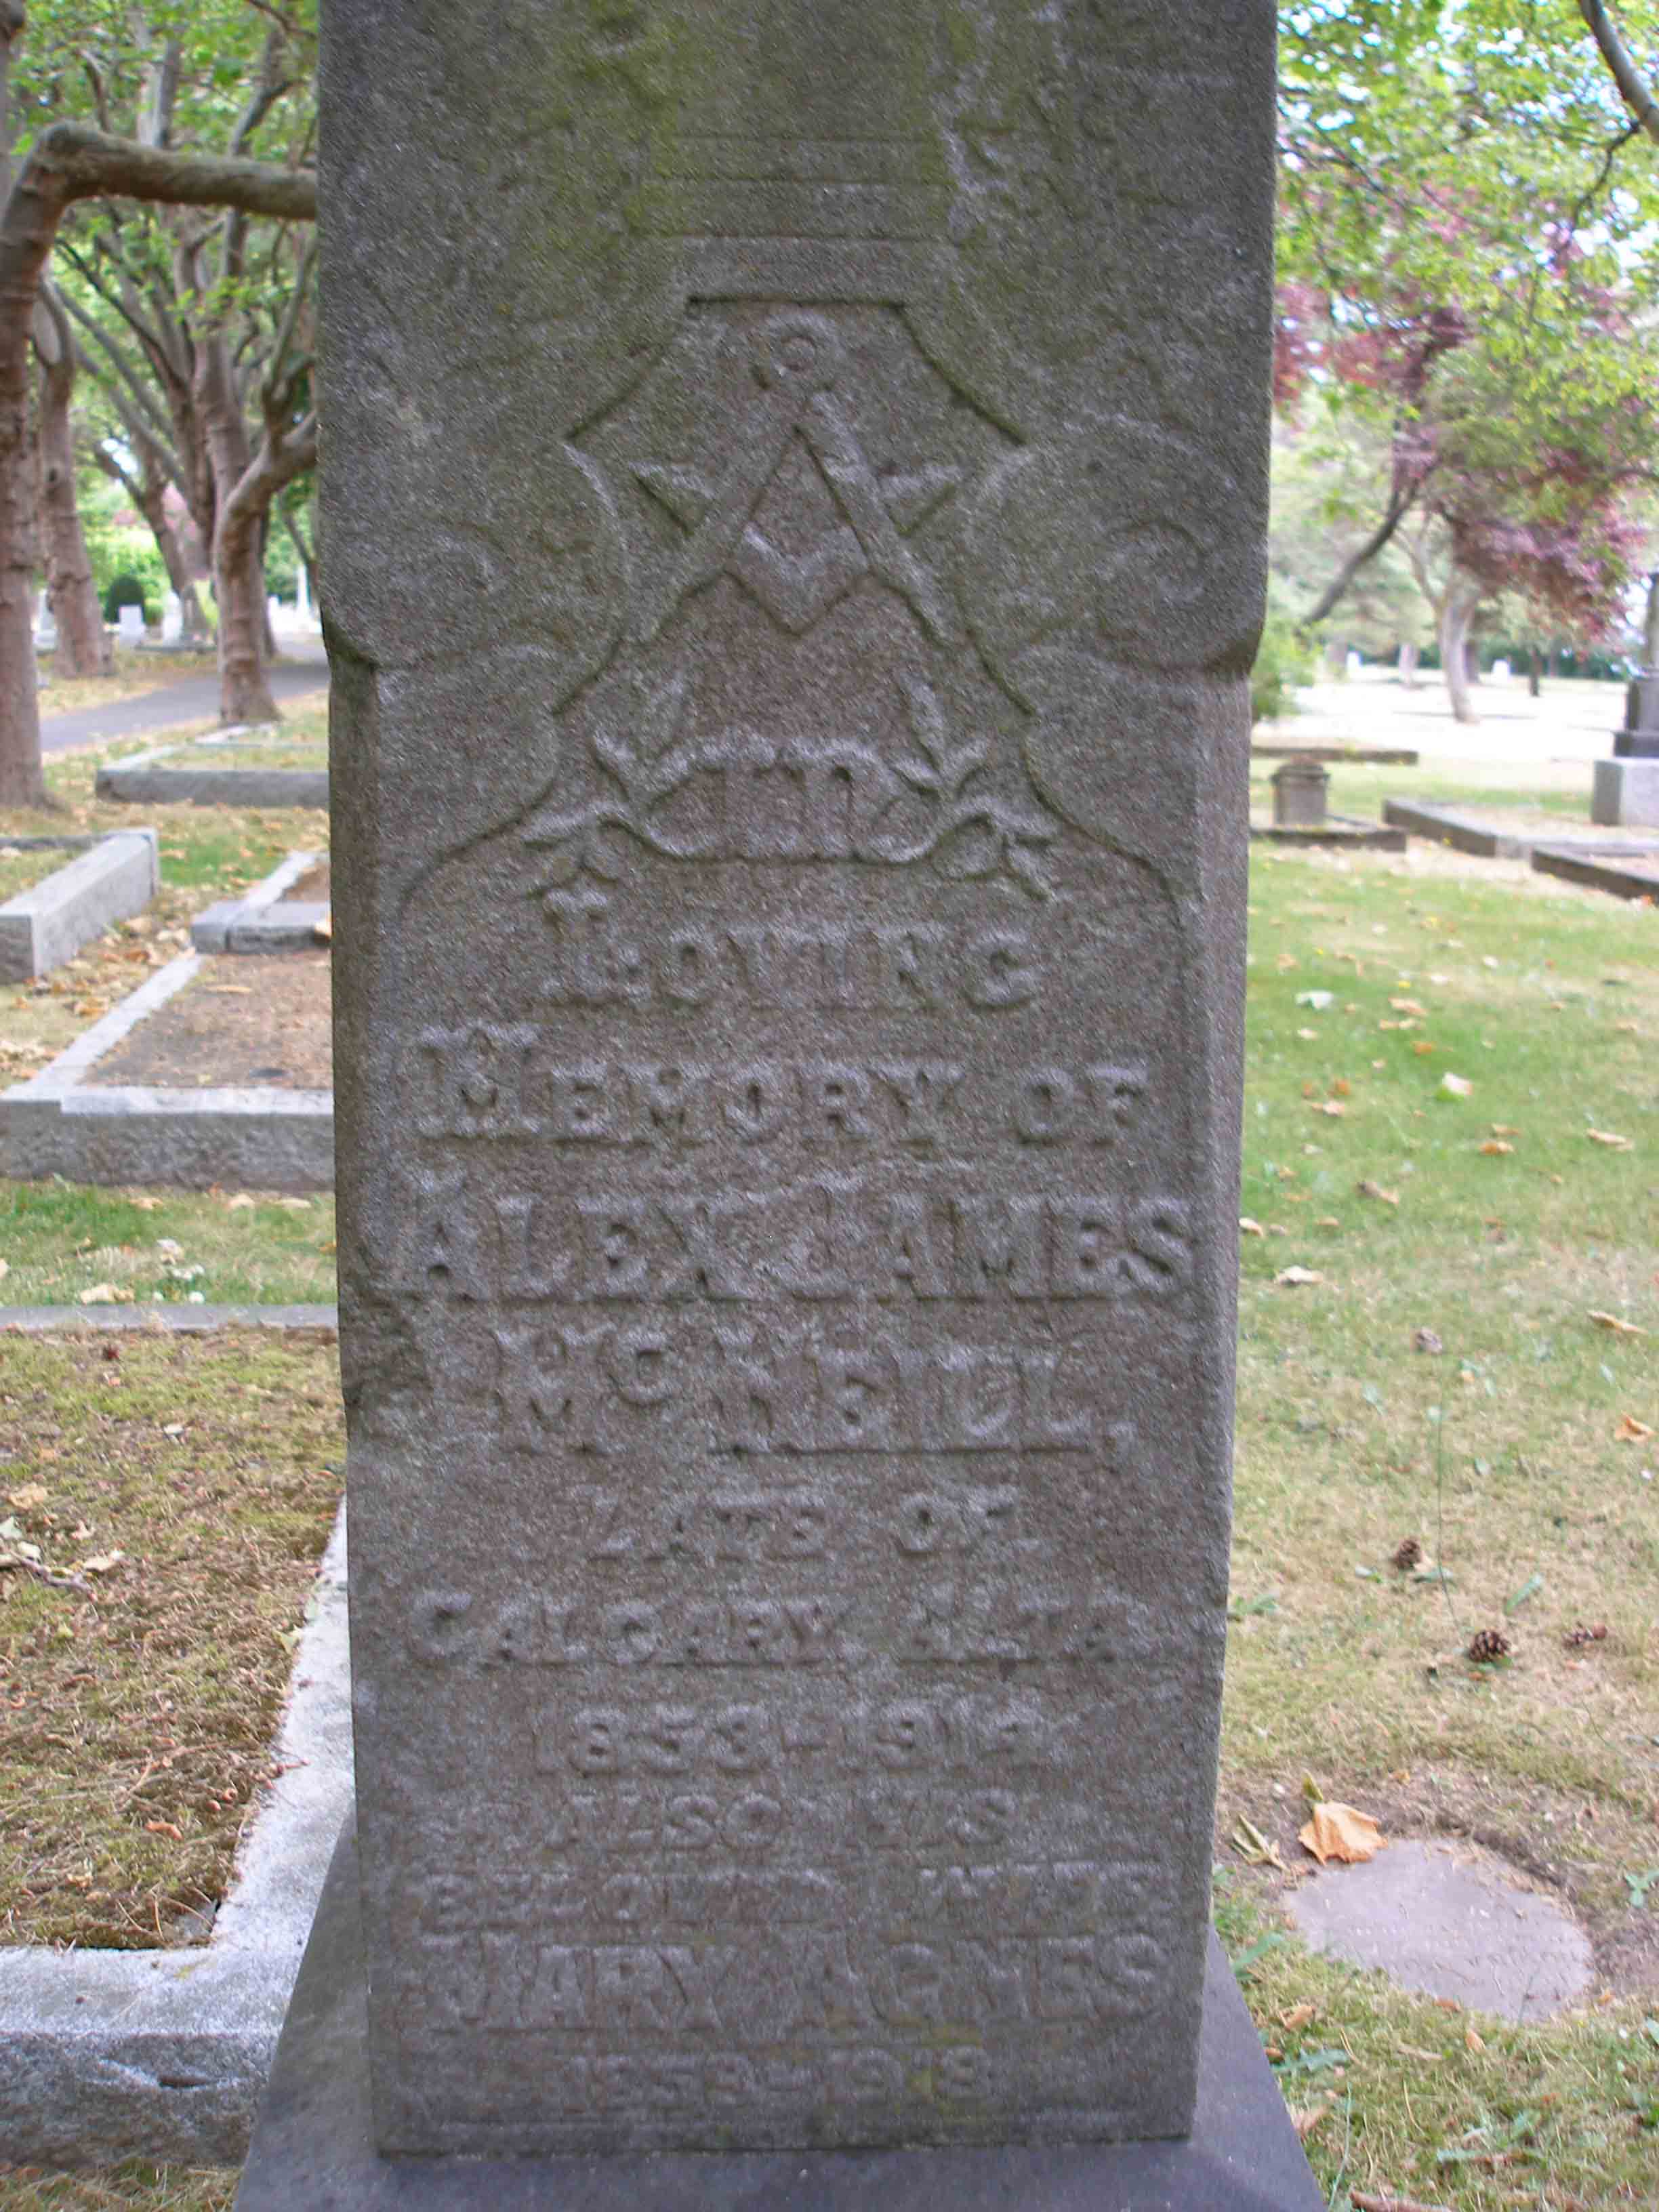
(794, 522)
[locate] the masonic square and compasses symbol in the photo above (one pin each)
(798, 366)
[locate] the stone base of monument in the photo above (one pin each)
(103, 880)
(1626, 794)
(314, 2152)
(176, 775)
(1346, 831)
(268, 918)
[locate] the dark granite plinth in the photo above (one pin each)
(1636, 744)
(312, 2151)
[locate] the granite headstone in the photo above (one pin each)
(793, 542)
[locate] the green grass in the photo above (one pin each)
(1560, 792)
(144, 2187)
(62, 1239)
(247, 753)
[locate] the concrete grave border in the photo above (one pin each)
(1341, 831)
(112, 2055)
(264, 919)
(1597, 866)
(145, 778)
(1448, 828)
(58, 1123)
(1338, 755)
(114, 873)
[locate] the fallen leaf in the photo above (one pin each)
(1292, 1278)
(1334, 1107)
(1327, 1221)
(1426, 1340)
(1408, 1006)
(1308, 1036)
(106, 1294)
(1607, 1137)
(295, 1205)
(1338, 1832)
(1455, 1086)
(1505, 1129)
(230, 990)
(1494, 1145)
(1424, 1047)
(1368, 1189)
(1630, 1431)
(164, 1828)
(1254, 1847)
(101, 1563)
(1627, 1029)
(1247, 1227)
(241, 1199)
(31, 1495)
(1473, 2041)
(1602, 1319)
(323, 929)
(146, 1205)
(1305, 2119)
(1298, 2016)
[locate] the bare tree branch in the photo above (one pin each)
(1636, 96)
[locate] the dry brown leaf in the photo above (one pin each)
(1613, 1321)
(1627, 1029)
(241, 1199)
(1408, 1006)
(1630, 1431)
(1298, 2016)
(230, 990)
(1476, 2042)
(101, 1563)
(1614, 1143)
(106, 1294)
(1290, 1279)
(1505, 1129)
(1337, 1831)
(1424, 1046)
(1456, 1086)
(1331, 1106)
(1368, 1189)
(1327, 1221)
(31, 1495)
(1249, 1227)
(1305, 2119)
(164, 1828)
(145, 1205)
(1495, 1145)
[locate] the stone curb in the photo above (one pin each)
(1337, 755)
(113, 2055)
(144, 778)
(1456, 830)
(264, 919)
(185, 1320)
(1337, 829)
(264, 1139)
(1598, 869)
(109, 878)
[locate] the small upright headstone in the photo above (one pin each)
(172, 619)
(1300, 794)
(1501, 672)
(1355, 661)
(792, 581)
(1639, 738)
(129, 623)
(45, 629)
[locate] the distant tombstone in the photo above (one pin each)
(172, 619)
(273, 610)
(1639, 738)
(1300, 794)
(1355, 662)
(45, 629)
(129, 623)
(791, 883)
(1501, 672)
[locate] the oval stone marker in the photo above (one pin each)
(794, 544)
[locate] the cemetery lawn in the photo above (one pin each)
(298, 752)
(166, 1500)
(140, 2186)
(1518, 1222)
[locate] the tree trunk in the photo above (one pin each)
(1534, 670)
(1472, 661)
(1650, 628)
(84, 646)
(1409, 665)
(238, 574)
(1458, 613)
(67, 163)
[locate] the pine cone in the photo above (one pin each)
(1489, 1644)
(1408, 1555)
(1576, 1638)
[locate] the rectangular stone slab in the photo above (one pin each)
(794, 530)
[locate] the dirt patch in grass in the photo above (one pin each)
(313, 888)
(259, 1019)
(166, 1500)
